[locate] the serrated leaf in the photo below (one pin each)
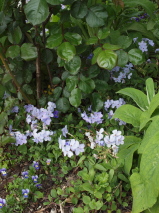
(128, 114)
(66, 51)
(36, 11)
(54, 40)
(28, 51)
(150, 89)
(13, 51)
(107, 59)
(96, 16)
(78, 10)
(138, 96)
(136, 56)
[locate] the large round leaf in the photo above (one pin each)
(13, 51)
(97, 103)
(66, 51)
(122, 58)
(124, 41)
(136, 56)
(86, 86)
(15, 36)
(28, 52)
(96, 16)
(107, 59)
(75, 98)
(36, 11)
(62, 104)
(73, 38)
(54, 40)
(78, 10)
(73, 66)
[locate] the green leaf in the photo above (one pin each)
(87, 86)
(86, 199)
(107, 59)
(138, 96)
(54, 40)
(3, 121)
(13, 51)
(73, 38)
(66, 51)
(108, 46)
(36, 11)
(92, 40)
(55, 2)
(93, 71)
(136, 56)
(103, 33)
(150, 132)
(122, 58)
(96, 53)
(73, 66)
(79, 10)
(87, 187)
(150, 89)
(154, 209)
(128, 114)
(153, 104)
(124, 41)
(97, 103)
(143, 197)
(71, 82)
(56, 80)
(53, 193)
(28, 51)
(75, 98)
(96, 16)
(2, 91)
(62, 104)
(100, 167)
(27, 89)
(22, 149)
(56, 93)
(146, 4)
(15, 36)
(101, 85)
(6, 140)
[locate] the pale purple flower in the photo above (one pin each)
(25, 193)
(64, 131)
(35, 178)
(2, 202)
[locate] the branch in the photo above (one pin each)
(14, 79)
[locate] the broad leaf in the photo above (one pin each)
(128, 114)
(122, 58)
(108, 46)
(15, 36)
(73, 38)
(62, 104)
(96, 53)
(13, 51)
(96, 16)
(86, 86)
(138, 96)
(75, 98)
(124, 41)
(71, 82)
(153, 104)
(150, 89)
(54, 40)
(73, 66)
(136, 56)
(107, 59)
(28, 51)
(55, 2)
(36, 11)
(66, 51)
(97, 103)
(79, 10)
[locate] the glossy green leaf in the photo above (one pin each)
(136, 56)
(75, 98)
(15, 36)
(96, 53)
(107, 59)
(86, 199)
(87, 85)
(153, 104)
(150, 89)
(124, 41)
(122, 58)
(96, 16)
(13, 51)
(73, 38)
(71, 82)
(108, 46)
(73, 66)
(63, 104)
(28, 51)
(66, 51)
(128, 114)
(36, 11)
(56, 93)
(93, 71)
(79, 9)
(97, 103)
(54, 40)
(92, 40)
(138, 96)
(56, 80)
(103, 33)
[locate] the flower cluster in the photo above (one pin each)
(111, 141)
(114, 104)
(140, 17)
(144, 43)
(119, 74)
(94, 117)
(2, 202)
(70, 146)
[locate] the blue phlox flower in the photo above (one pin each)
(35, 178)
(3, 172)
(64, 131)
(2, 202)
(25, 174)
(56, 114)
(20, 138)
(15, 109)
(25, 193)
